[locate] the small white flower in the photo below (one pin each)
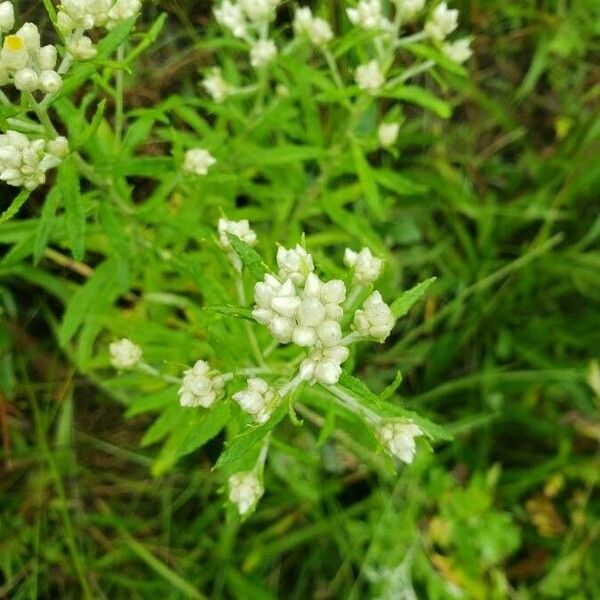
(262, 53)
(200, 386)
(7, 17)
(369, 77)
(81, 47)
(458, 51)
(216, 86)
(26, 80)
(58, 147)
(367, 15)
(276, 305)
(259, 10)
(388, 134)
(232, 17)
(323, 365)
(295, 264)
(198, 161)
(398, 437)
(245, 490)
(124, 354)
(240, 229)
(14, 53)
(317, 30)
(367, 267)
(123, 10)
(258, 399)
(375, 319)
(24, 162)
(442, 22)
(409, 8)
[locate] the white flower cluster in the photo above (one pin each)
(368, 15)
(201, 386)
(259, 400)
(198, 161)
(23, 61)
(369, 77)
(216, 86)
(317, 30)
(24, 162)
(297, 306)
(388, 133)
(75, 17)
(398, 438)
(124, 354)
(245, 490)
(249, 20)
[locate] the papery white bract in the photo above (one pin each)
(240, 229)
(245, 490)
(258, 399)
(375, 318)
(7, 16)
(124, 354)
(398, 438)
(198, 161)
(369, 77)
(458, 51)
(231, 16)
(295, 264)
(216, 86)
(317, 30)
(201, 386)
(367, 15)
(367, 267)
(388, 134)
(442, 22)
(262, 53)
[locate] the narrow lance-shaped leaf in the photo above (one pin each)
(406, 301)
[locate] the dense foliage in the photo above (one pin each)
(481, 197)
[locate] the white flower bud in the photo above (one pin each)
(245, 490)
(123, 10)
(26, 80)
(216, 86)
(367, 15)
(328, 372)
(200, 386)
(367, 268)
(258, 399)
(311, 312)
(47, 58)
(458, 51)
(369, 77)
(240, 229)
(409, 8)
(398, 437)
(388, 134)
(30, 34)
(304, 336)
(81, 47)
(329, 333)
(231, 16)
(14, 53)
(262, 53)
(375, 319)
(259, 10)
(50, 82)
(7, 17)
(197, 161)
(295, 264)
(59, 146)
(442, 22)
(315, 29)
(281, 328)
(124, 354)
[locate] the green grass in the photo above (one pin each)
(503, 210)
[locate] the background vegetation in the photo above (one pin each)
(500, 203)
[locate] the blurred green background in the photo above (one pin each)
(510, 509)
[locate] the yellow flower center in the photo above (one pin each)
(14, 43)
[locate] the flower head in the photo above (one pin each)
(369, 77)
(259, 10)
(442, 22)
(375, 318)
(7, 16)
(409, 8)
(198, 161)
(201, 386)
(367, 267)
(231, 16)
(216, 86)
(258, 399)
(367, 15)
(124, 354)
(317, 30)
(262, 53)
(458, 51)
(388, 133)
(295, 264)
(398, 437)
(240, 229)
(245, 490)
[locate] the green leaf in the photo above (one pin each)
(193, 431)
(46, 223)
(250, 257)
(421, 97)
(406, 301)
(15, 205)
(400, 184)
(390, 389)
(369, 185)
(68, 183)
(98, 292)
(241, 312)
